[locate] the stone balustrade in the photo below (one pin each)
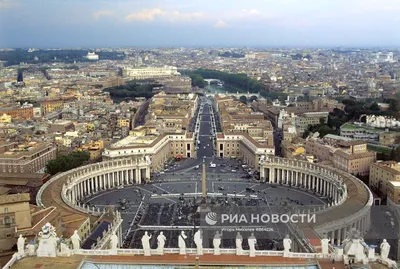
(10, 263)
(193, 251)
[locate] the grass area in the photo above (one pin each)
(350, 126)
(378, 148)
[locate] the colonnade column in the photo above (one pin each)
(92, 181)
(312, 182)
(137, 175)
(147, 174)
(80, 190)
(271, 177)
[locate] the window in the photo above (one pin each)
(6, 210)
(7, 220)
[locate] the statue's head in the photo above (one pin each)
(161, 233)
(20, 236)
(145, 232)
(46, 228)
(75, 232)
(287, 236)
(384, 241)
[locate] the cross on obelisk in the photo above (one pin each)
(204, 183)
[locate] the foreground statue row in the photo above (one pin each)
(198, 240)
(352, 250)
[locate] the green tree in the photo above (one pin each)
(374, 107)
(322, 129)
(67, 162)
(394, 105)
(198, 80)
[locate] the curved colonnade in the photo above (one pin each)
(350, 198)
(83, 182)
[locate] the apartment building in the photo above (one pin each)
(245, 134)
(384, 178)
(150, 72)
(322, 151)
(354, 157)
(21, 113)
(5, 118)
(50, 105)
(292, 150)
(25, 158)
(123, 123)
(95, 148)
(310, 118)
(346, 154)
(171, 113)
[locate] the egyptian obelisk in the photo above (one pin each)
(204, 184)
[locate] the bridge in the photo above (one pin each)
(213, 80)
(237, 95)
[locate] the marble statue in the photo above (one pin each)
(198, 240)
(182, 243)
(287, 245)
(114, 241)
(21, 245)
(217, 243)
(146, 243)
(64, 250)
(76, 241)
(47, 241)
(381, 121)
(325, 246)
(252, 244)
(385, 248)
(161, 243)
(31, 247)
(239, 241)
(147, 159)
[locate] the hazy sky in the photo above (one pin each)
(263, 23)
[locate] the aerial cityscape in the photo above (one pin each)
(151, 134)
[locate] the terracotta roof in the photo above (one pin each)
(385, 166)
(353, 156)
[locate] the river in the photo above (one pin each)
(215, 89)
